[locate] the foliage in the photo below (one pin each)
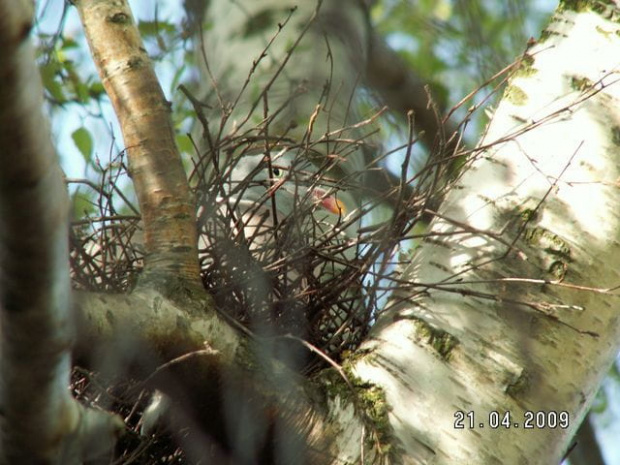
(457, 45)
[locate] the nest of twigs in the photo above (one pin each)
(296, 280)
(283, 275)
(296, 276)
(290, 278)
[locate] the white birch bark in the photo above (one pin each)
(512, 305)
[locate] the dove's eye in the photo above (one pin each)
(278, 171)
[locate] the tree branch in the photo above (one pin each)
(213, 375)
(544, 181)
(404, 91)
(41, 422)
(167, 206)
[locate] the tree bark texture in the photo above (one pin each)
(39, 420)
(166, 204)
(511, 311)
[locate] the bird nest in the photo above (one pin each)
(295, 276)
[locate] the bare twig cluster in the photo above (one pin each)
(307, 274)
(296, 274)
(106, 250)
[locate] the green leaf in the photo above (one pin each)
(176, 79)
(73, 78)
(96, 90)
(69, 43)
(82, 204)
(84, 142)
(600, 402)
(184, 144)
(49, 73)
(153, 28)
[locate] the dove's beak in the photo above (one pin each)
(329, 202)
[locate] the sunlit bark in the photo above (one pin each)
(512, 306)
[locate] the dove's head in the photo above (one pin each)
(281, 197)
(286, 183)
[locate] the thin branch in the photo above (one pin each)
(155, 164)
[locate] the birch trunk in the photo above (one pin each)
(40, 422)
(511, 316)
